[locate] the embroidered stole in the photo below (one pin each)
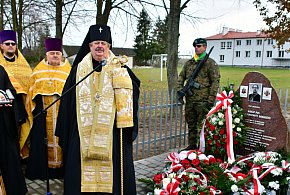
(18, 71)
(100, 98)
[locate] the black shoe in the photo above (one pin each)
(191, 147)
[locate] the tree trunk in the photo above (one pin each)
(172, 50)
(58, 19)
(19, 27)
(14, 15)
(2, 15)
(103, 17)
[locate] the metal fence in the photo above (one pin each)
(283, 98)
(162, 124)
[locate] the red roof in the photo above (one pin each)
(237, 35)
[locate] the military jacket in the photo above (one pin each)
(208, 78)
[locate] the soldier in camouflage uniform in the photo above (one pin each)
(198, 105)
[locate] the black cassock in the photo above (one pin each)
(9, 155)
(37, 167)
(67, 131)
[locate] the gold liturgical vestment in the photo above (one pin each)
(2, 187)
(19, 73)
(48, 81)
(102, 99)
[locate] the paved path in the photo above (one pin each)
(145, 168)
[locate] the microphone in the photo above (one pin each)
(104, 62)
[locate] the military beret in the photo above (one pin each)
(199, 41)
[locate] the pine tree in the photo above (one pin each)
(159, 37)
(142, 40)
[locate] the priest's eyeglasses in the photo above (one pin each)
(9, 43)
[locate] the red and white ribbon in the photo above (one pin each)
(171, 188)
(202, 139)
(285, 164)
(214, 191)
(173, 157)
(258, 188)
(269, 169)
(224, 100)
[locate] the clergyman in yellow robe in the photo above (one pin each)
(19, 73)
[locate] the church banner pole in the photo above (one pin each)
(121, 160)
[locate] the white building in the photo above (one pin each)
(236, 48)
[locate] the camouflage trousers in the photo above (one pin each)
(195, 112)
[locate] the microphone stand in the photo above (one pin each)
(44, 112)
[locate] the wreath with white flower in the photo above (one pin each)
(216, 130)
(267, 173)
(193, 172)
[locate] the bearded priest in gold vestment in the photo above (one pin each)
(97, 121)
(46, 85)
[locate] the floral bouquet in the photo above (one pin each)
(192, 172)
(267, 173)
(217, 130)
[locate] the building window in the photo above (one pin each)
(270, 41)
(222, 58)
(239, 42)
(223, 45)
(259, 42)
(258, 54)
(248, 42)
(238, 54)
(269, 54)
(229, 45)
(248, 54)
(281, 54)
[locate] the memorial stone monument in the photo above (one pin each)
(266, 126)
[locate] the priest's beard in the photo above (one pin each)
(10, 54)
(54, 63)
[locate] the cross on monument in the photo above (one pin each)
(100, 29)
(267, 93)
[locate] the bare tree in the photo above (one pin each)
(58, 12)
(58, 19)
(61, 8)
(17, 19)
(17, 11)
(173, 21)
(173, 17)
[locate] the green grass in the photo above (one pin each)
(150, 77)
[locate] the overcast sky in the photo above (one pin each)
(235, 14)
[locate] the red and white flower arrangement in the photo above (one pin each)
(224, 129)
(193, 172)
(200, 173)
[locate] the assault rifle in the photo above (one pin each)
(191, 83)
